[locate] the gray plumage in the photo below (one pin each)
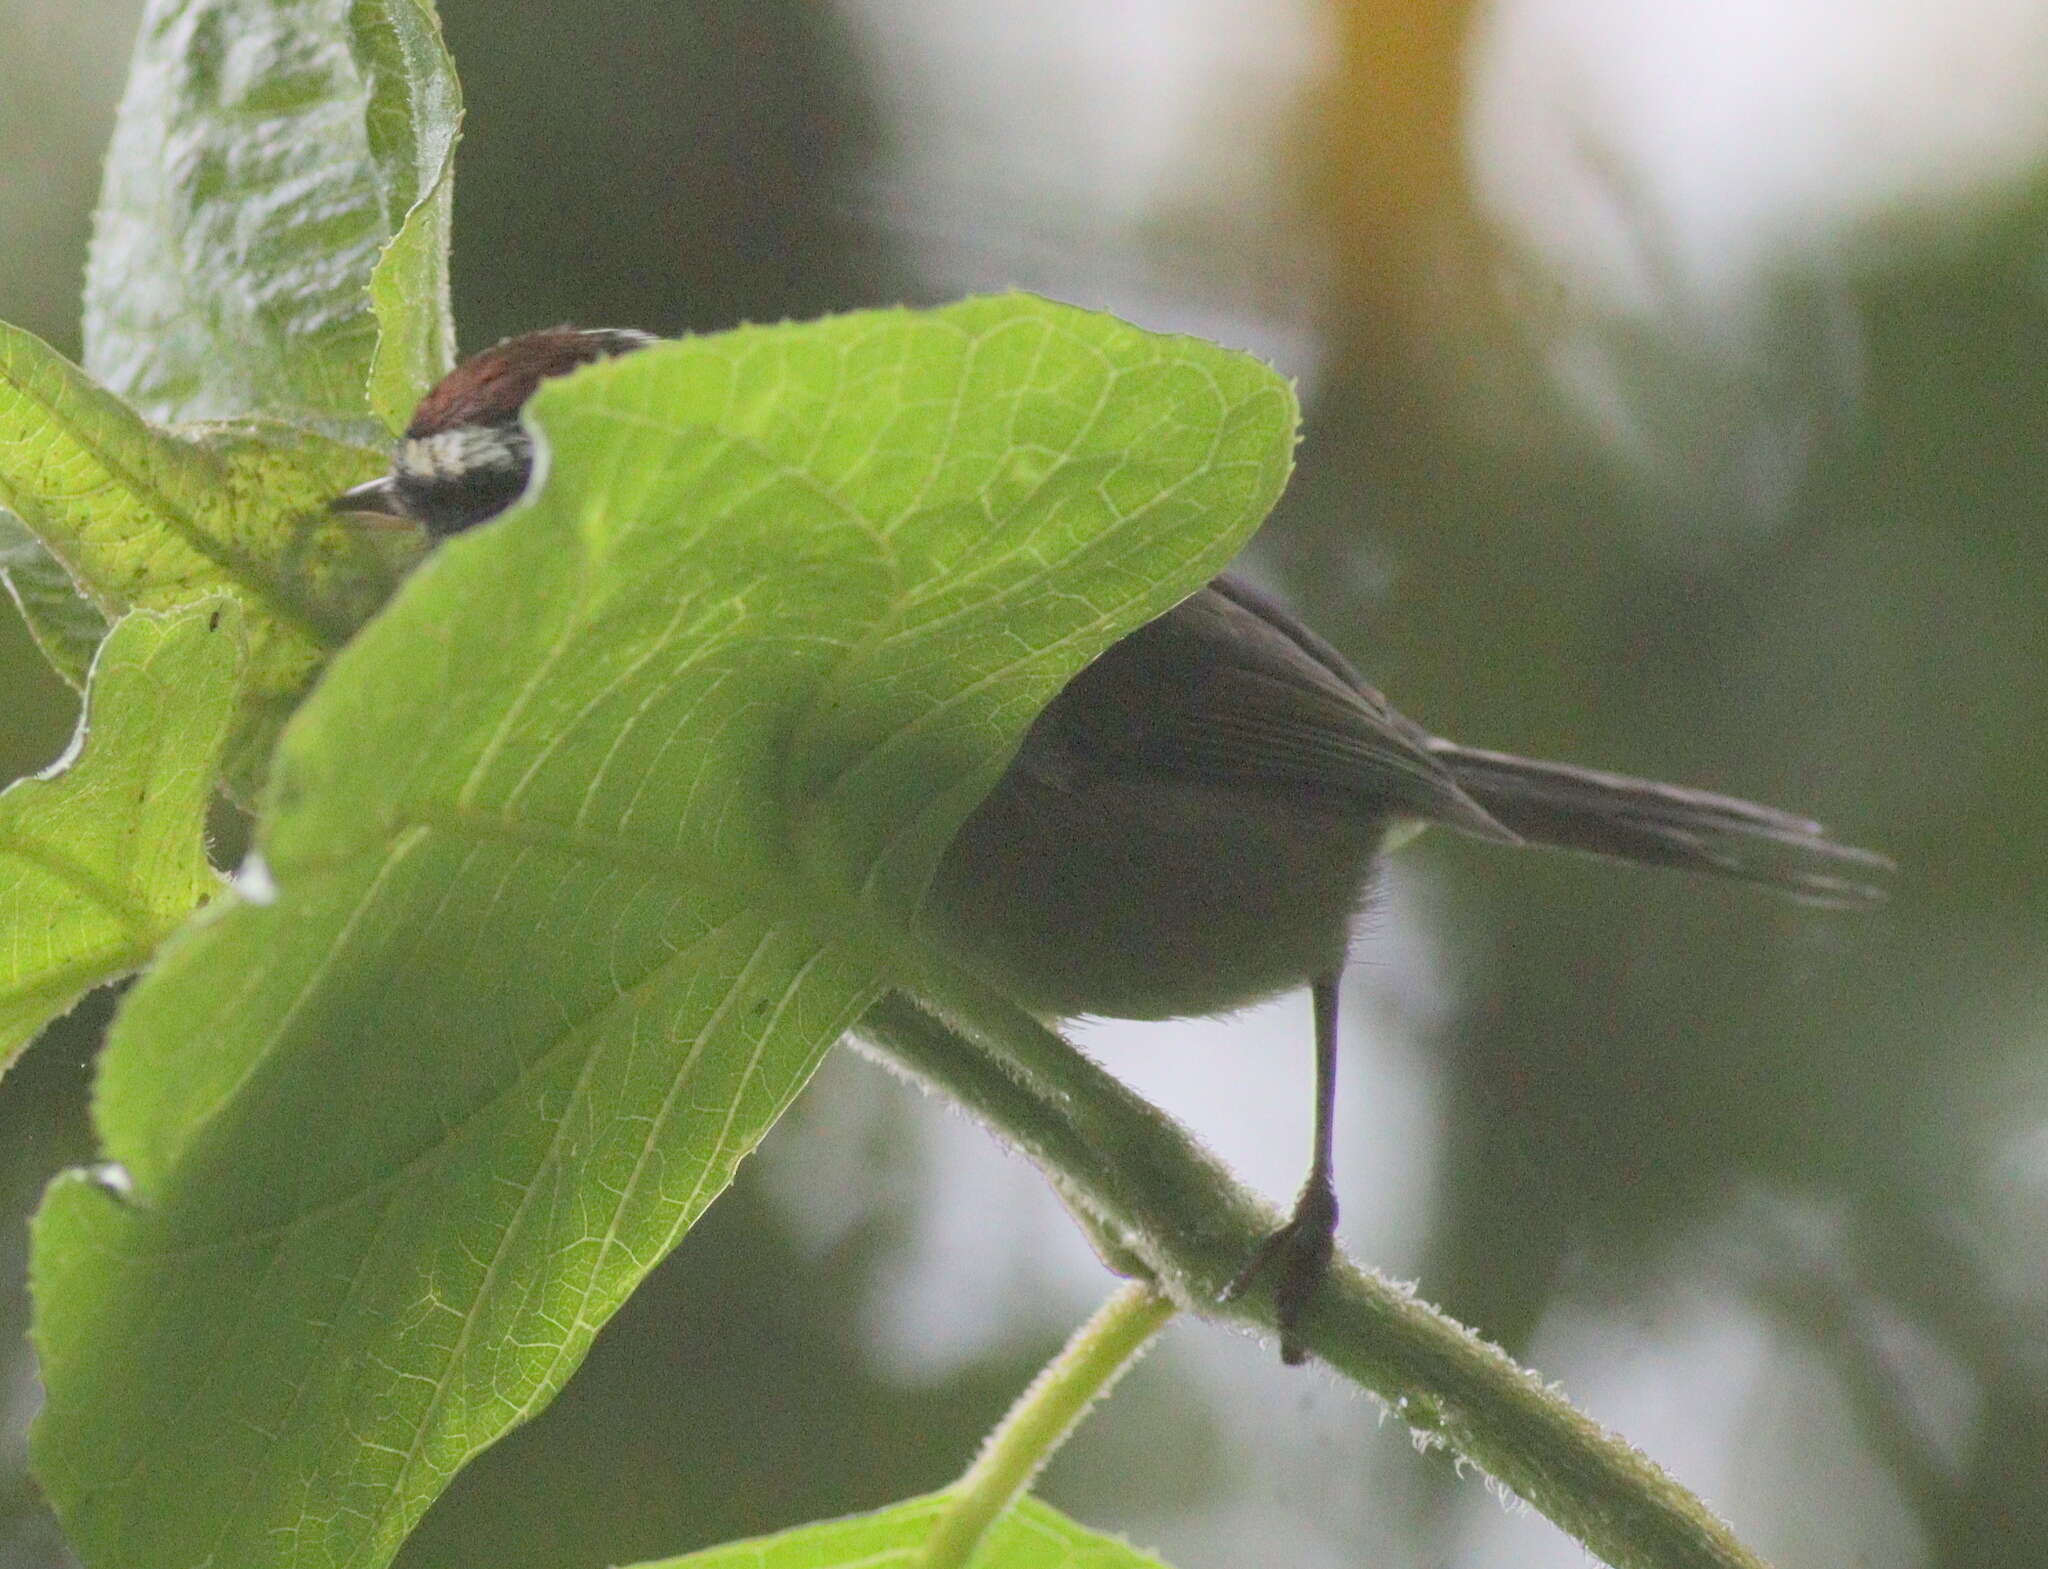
(1192, 824)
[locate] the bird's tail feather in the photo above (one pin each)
(1666, 825)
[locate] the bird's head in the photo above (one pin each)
(465, 457)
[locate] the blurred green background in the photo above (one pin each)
(1676, 403)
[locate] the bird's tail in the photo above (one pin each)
(1665, 825)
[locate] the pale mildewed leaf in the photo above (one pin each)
(104, 855)
(587, 848)
(414, 116)
(271, 240)
(269, 160)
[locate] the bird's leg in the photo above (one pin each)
(1300, 1250)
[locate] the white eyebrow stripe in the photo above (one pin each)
(455, 454)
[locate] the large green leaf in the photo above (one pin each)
(102, 857)
(146, 518)
(587, 849)
(1030, 1535)
(270, 158)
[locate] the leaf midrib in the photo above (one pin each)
(452, 1134)
(139, 923)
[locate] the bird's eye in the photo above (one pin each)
(453, 480)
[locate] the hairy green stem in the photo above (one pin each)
(1084, 1371)
(1173, 1207)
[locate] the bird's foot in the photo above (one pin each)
(1299, 1255)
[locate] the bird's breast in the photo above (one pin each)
(1148, 899)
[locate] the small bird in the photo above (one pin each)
(1192, 824)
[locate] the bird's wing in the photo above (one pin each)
(1228, 690)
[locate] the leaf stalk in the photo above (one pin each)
(1176, 1208)
(1048, 1411)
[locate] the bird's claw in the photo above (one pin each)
(1300, 1253)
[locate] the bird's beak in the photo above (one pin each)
(374, 505)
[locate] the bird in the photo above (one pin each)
(1194, 822)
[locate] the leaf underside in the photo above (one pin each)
(588, 848)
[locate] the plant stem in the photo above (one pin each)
(1171, 1204)
(1050, 1409)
